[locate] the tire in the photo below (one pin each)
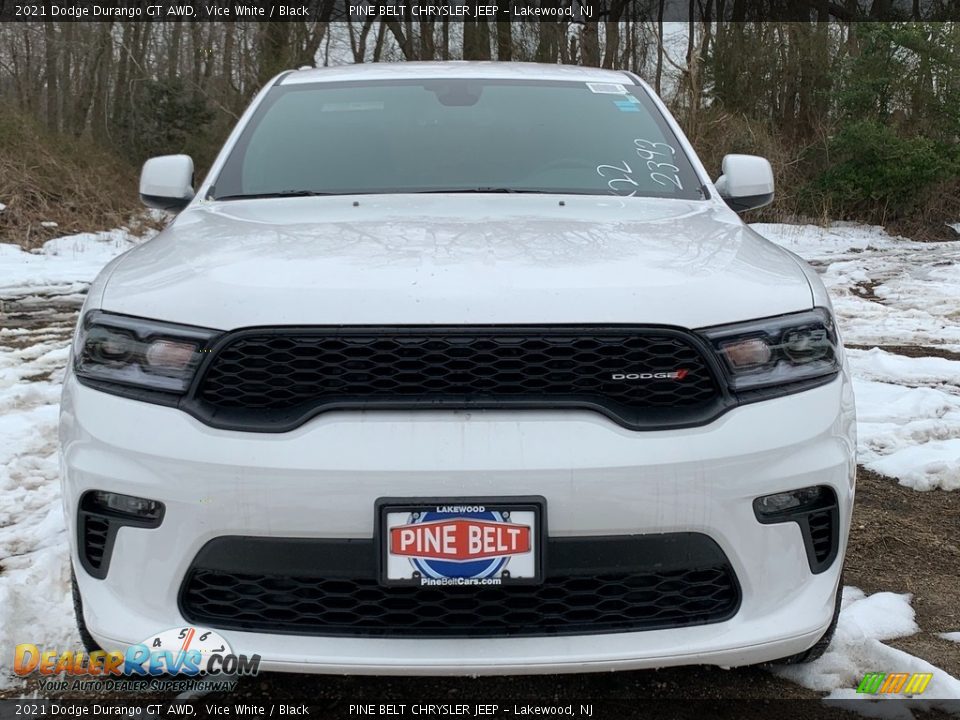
(89, 644)
(819, 647)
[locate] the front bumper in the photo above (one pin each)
(599, 479)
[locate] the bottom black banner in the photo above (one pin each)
(579, 710)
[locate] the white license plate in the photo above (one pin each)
(447, 543)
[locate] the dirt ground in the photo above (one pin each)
(908, 541)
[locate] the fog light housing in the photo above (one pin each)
(816, 511)
(129, 505)
(785, 502)
(100, 516)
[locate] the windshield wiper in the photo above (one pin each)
(445, 191)
(281, 194)
(433, 191)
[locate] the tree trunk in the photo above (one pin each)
(659, 75)
(589, 45)
(271, 51)
(428, 49)
(98, 118)
(548, 43)
(476, 40)
(173, 53)
(504, 32)
(611, 41)
(50, 57)
(381, 36)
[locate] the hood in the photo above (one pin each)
(456, 259)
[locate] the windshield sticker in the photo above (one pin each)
(628, 104)
(607, 88)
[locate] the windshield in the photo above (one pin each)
(457, 135)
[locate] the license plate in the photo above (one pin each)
(456, 541)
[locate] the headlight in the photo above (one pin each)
(778, 351)
(136, 353)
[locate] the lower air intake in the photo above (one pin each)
(593, 585)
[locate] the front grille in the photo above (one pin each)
(591, 586)
(276, 379)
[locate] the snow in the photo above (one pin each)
(65, 262)
(2, 207)
(34, 569)
(48, 224)
(857, 649)
(917, 283)
(908, 408)
(887, 291)
(908, 413)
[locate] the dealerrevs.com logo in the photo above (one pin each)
(186, 652)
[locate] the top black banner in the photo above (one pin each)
(564, 11)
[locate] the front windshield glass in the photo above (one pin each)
(457, 135)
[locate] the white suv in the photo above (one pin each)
(458, 369)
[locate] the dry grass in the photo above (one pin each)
(721, 133)
(71, 182)
(932, 223)
(795, 167)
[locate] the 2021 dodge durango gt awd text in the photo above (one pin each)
(458, 369)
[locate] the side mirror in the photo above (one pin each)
(746, 183)
(166, 182)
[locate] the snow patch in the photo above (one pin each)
(908, 417)
(34, 565)
(857, 649)
(62, 261)
(35, 602)
(886, 290)
(951, 636)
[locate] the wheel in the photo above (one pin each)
(819, 647)
(89, 644)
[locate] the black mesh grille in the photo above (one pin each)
(821, 534)
(95, 531)
(280, 378)
(330, 587)
(579, 604)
